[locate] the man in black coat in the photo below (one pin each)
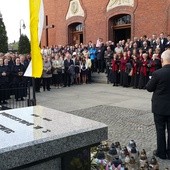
(159, 84)
(68, 63)
(163, 42)
(100, 57)
(4, 80)
(18, 72)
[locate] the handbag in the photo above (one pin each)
(48, 72)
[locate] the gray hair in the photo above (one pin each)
(166, 56)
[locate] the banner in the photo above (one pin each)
(36, 27)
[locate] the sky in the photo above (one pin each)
(13, 12)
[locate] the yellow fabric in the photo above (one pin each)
(36, 57)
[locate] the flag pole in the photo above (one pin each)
(33, 92)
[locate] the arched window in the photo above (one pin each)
(120, 27)
(75, 33)
(122, 20)
(79, 27)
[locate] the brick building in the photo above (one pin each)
(77, 21)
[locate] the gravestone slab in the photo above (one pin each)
(36, 134)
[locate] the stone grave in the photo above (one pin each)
(39, 138)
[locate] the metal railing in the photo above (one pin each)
(15, 96)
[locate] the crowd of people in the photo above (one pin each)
(12, 81)
(133, 64)
(64, 68)
(126, 63)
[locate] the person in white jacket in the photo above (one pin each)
(88, 66)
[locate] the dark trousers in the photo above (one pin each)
(163, 146)
(89, 75)
(37, 84)
(136, 81)
(108, 74)
(121, 77)
(67, 79)
(143, 81)
(100, 65)
(57, 78)
(125, 79)
(46, 83)
(20, 90)
(94, 65)
(114, 77)
(4, 92)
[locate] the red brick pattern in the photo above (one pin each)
(148, 17)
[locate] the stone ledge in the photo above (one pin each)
(68, 133)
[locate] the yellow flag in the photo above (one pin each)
(36, 26)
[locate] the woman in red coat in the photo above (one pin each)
(136, 63)
(144, 77)
(115, 70)
(123, 62)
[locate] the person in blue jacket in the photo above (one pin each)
(93, 53)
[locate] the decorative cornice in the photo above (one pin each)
(117, 3)
(75, 9)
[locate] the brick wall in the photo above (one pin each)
(148, 16)
(151, 16)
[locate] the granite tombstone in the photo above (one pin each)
(41, 138)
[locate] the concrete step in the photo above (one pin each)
(99, 78)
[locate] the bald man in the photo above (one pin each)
(159, 84)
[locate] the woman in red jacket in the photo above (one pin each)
(135, 72)
(115, 70)
(123, 62)
(143, 79)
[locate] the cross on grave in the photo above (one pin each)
(46, 27)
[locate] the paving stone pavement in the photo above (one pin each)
(126, 111)
(126, 124)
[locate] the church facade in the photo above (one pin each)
(80, 21)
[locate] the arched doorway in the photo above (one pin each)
(120, 27)
(75, 33)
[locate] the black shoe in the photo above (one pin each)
(48, 89)
(159, 156)
(22, 99)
